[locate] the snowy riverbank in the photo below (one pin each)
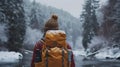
(13, 57)
(112, 53)
(10, 57)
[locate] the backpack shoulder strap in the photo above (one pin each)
(42, 41)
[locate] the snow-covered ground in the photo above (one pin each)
(112, 53)
(10, 57)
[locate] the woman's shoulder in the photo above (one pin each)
(38, 44)
(68, 46)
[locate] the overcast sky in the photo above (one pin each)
(74, 7)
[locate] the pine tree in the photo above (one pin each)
(2, 12)
(34, 21)
(36, 18)
(90, 24)
(111, 24)
(116, 20)
(16, 25)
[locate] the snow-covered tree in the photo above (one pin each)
(36, 17)
(90, 24)
(111, 24)
(14, 13)
(116, 35)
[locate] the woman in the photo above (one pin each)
(51, 24)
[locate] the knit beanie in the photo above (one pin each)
(52, 23)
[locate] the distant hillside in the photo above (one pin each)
(37, 15)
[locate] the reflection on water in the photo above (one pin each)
(102, 64)
(81, 62)
(11, 65)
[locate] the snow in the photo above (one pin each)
(56, 31)
(79, 52)
(104, 55)
(98, 41)
(10, 57)
(103, 2)
(32, 36)
(100, 54)
(109, 52)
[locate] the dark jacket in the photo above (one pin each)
(38, 45)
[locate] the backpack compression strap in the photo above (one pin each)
(46, 57)
(62, 57)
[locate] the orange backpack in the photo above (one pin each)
(54, 51)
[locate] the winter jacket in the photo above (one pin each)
(38, 45)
